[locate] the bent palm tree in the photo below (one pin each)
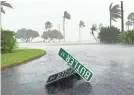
(94, 28)
(4, 3)
(81, 25)
(115, 13)
(131, 17)
(66, 16)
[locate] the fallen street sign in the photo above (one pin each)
(74, 64)
(60, 75)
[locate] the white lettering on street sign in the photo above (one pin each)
(74, 64)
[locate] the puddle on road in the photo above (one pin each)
(69, 86)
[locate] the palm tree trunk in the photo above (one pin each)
(0, 17)
(110, 20)
(94, 35)
(64, 28)
(79, 34)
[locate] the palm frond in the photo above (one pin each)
(2, 10)
(131, 16)
(115, 7)
(4, 3)
(116, 16)
(115, 11)
(129, 23)
(114, 19)
(67, 15)
(94, 27)
(82, 24)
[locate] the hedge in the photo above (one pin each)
(109, 35)
(8, 42)
(127, 37)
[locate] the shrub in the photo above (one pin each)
(127, 37)
(109, 35)
(8, 41)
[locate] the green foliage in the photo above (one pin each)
(100, 26)
(52, 34)
(60, 36)
(48, 25)
(20, 56)
(8, 41)
(26, 35)
(4, 3)
(109, 35)
(115, 12)
(127, 37)
(81, 24)
(44, 36)
(131, 16)
(93, 29)
(129, 23)
(67, 15)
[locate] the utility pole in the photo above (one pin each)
(122, 17)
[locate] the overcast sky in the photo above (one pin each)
(33, 14)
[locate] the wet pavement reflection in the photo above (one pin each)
(112, 66)
(69, 86)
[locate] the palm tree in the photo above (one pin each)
(66, 16)
(94, 28)
(115, 13)
(48, 25)
(81, 25)
(4, 3)
(131, 17)
(128, 23)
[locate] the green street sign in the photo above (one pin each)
(61, 75)
(74, 64)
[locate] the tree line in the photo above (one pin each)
(27, 35)
(115, 11)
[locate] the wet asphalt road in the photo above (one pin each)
(112, 65)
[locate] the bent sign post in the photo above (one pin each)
(74, 64)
